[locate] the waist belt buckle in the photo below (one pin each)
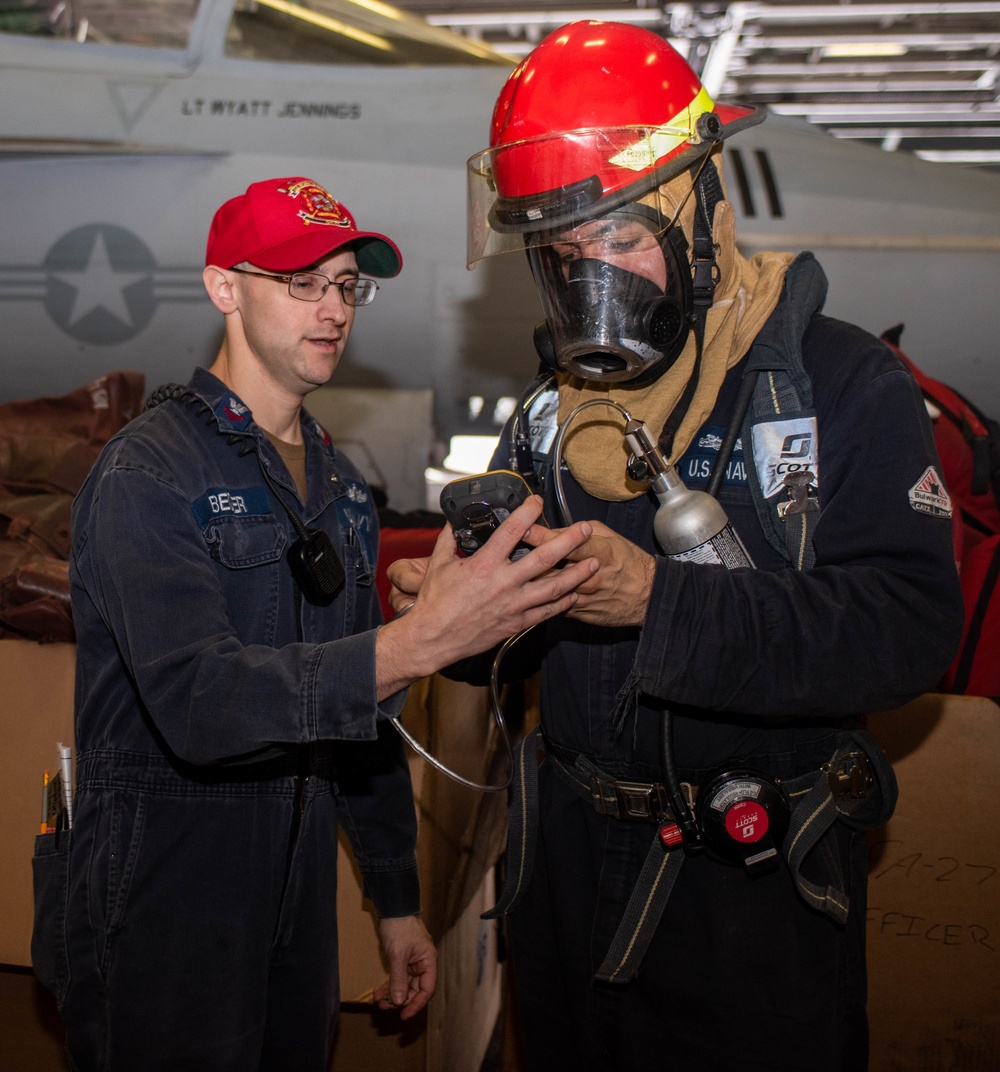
(849, 774)
(639, 801)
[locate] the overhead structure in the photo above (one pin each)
(918, 77)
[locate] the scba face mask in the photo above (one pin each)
(616, 293)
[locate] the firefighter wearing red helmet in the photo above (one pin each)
(578, 152)
(685, 881)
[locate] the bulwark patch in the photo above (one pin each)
(930, 496)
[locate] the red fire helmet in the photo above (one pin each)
(595, 117)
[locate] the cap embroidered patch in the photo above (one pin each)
(929, 495)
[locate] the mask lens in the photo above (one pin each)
(627, 243)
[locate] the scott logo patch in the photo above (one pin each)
(783, 447)
(929, 495)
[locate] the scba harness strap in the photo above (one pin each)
(856, 785)
(779, 428)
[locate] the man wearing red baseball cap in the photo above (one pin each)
(235, 681)
(283, 224)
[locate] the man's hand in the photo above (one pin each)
(618, 592)
(406, 575)
(412, 966)
(464, 606)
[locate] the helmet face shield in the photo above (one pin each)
(518, 190)
(615, 292)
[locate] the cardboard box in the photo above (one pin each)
(461, 834)
(36, 712)
(455, 1031)
(460, 837)
(934, 890)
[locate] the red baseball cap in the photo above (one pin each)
(284, 225)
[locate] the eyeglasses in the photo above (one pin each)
(311, 286)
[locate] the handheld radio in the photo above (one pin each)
(476, 506)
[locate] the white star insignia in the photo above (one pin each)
(99, 286)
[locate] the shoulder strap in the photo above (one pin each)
(707, 189)
(779, 430)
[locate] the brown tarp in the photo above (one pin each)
(47, 448)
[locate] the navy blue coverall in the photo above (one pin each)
(224, 728)
(762, 668)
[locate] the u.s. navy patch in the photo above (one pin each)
(698, 462)
(929, 495)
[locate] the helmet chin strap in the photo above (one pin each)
(705, 277)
